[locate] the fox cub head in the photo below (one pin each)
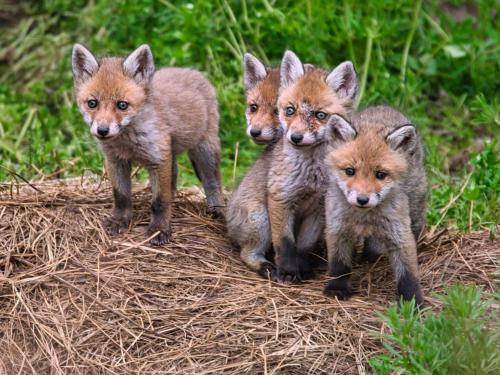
(369, 157)
(309, 97)
(261, 86)
(111, 91)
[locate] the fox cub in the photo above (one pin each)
(139, 115)
(377, 189)
(297, 178)
(247, 220)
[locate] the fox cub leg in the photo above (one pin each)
(283, 240)
(340, 252)
(119, 172)
(405, 266)
(161, 204)
(308, 237)
(205, 158)
(175, 172)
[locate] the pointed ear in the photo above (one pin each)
(341, 129)
(139, 65)
(344, 81)
(83, 63)
(308, 67)
(254, 70)
(402, 138)
(291, 69)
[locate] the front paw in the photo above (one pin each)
(162, 237)
(217, 212)
(268, 271)
(287, 273)
(340, 288)
(116, 224)
(306, 266)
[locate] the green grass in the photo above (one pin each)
(460, 339)
(412, 55)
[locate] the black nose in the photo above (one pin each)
(297, 138)
(102, 131)
(362, 199)
(255, 132)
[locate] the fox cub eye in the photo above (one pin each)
(122, 105)
(320, 115)
(290, 111)
(253, 108)
(379, 175)
(350, 171)
(92, 103)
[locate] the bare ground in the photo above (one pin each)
(73, 300)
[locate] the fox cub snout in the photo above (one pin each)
(377, 191)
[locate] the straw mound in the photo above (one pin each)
(75, 301)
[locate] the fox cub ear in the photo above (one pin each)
(341, 130)
(291, 69)
(344, 80)
(254, 70)
(83, 63)
(403, 138)
(139, 65)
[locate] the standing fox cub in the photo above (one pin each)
(377, 189)
(297, 178)
(137, 114)
(247, 219)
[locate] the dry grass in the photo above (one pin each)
(75, 301)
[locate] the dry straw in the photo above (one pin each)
(74, 301)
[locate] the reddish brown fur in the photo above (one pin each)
(367, 154)
(264, 94)
(312, 91)
(107, 86)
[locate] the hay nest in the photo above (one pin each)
(74, 300)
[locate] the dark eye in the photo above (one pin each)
(253, 108)
(320, 115)
(122, 105)
(92, 103)
(379, 175)
(350, 171)
(290, 111)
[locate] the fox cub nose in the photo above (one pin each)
(102, 131)
(296, 138)
(362, 199)
(255, 132)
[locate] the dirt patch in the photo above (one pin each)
(75, 301)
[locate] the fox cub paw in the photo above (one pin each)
(268, 271)
(161, 238)
(217, 212)
(115, 225)
(339, 288)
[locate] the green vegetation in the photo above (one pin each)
(456, 340)
(441, 71)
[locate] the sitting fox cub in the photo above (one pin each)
(137, 114)
(247, 219)
(297, 178)
(377, 189)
